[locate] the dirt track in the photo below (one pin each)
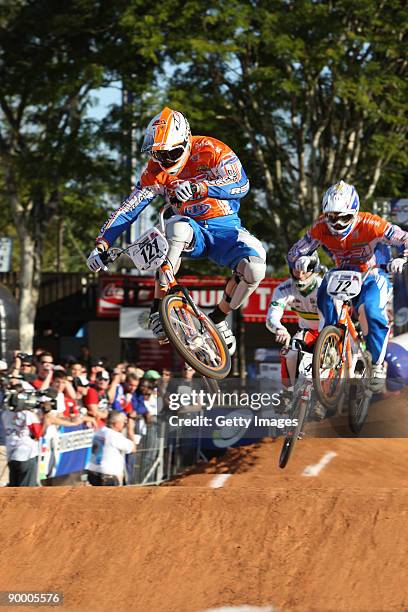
(335, 541)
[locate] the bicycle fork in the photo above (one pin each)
(347, 325)
(174, 287)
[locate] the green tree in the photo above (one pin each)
(56, 175)
(307, 92)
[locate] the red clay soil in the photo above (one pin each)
(334, 542)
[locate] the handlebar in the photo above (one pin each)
(340, 268)
(295, 344)
(162, 210)
(113, 253)
(345, 268)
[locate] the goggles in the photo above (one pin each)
(168, 158)
(339, 220)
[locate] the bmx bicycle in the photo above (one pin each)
(303, 399)
(193, 335)
(342, 366)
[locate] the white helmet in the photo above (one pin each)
(340, 207)
(306, 285)
(168, 140)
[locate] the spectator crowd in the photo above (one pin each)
(118, 403)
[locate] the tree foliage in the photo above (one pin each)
(307, 92)
(54, 166)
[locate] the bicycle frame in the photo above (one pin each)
(150, 252)
(346, 323)
(166, 269)
(302, 396)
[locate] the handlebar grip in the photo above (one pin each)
(105, 257)
(299, 344)
(174, 201)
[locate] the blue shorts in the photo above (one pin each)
(373, 297)
(224, 241)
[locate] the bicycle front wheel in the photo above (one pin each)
(299, 412)
(195, 338)
(327, 366)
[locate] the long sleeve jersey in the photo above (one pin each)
(211, 163)
(357, 249)
(287, 296)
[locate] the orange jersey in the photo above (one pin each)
(211, 163)
(356, 250)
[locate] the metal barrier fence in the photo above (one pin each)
(163, 453)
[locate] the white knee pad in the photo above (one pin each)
(250, 272)
(179, 234)
(178, 229)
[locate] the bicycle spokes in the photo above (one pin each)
(195, 336)
(330, 358)
(328, 367)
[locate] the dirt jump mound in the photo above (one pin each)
(233, 532)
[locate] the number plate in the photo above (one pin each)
(344, 284)
(149, 251)
(305, 365)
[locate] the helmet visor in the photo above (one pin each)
(168, 158)
(339, 221)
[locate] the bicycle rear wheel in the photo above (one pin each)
(359, 395)
(299, 412)
(210, 385)
(327, 366)
(196, 339)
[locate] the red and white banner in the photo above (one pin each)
(255, 309)
(206, 291)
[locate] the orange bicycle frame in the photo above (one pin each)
(346, 321)
(171, 280)
(168, 274)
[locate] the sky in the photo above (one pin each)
(103, 98)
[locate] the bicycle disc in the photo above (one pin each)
(327, 366)
(197, 340)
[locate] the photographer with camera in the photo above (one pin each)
(23, 367)
(45, 370)
(26, 414)
(23, 430)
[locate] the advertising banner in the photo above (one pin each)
(206, 292)
(399, 211)
(64, 450)
(255, 309)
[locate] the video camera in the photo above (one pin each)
(17, 398)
